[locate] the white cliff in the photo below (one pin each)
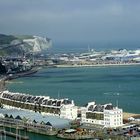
(38, 44)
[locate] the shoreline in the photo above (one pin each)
(21, 74)
(96, 65)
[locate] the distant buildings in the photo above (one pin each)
(121, 56)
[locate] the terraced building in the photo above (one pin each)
(105, 115)
(64, 108)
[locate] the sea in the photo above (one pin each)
(119, 85)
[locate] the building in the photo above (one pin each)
(69, 111)
(63, 108)
(32, 117)
(105, 115)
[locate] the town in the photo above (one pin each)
(19, 64)
(62, 117)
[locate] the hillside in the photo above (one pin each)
(22, 44)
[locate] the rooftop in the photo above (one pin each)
(42, 100)
(31, 116)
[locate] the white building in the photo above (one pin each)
(69, 111)
(105, 115)
(64, 108)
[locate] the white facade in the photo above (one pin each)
(68, 112)
(113, 118)
(105, 115)
(84, 118)
(63, 108)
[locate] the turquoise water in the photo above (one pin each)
(100, 84)
(34, 136)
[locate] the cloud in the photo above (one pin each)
(72, 20)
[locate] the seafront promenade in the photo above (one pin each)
(96, 65)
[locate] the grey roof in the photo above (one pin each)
(42, 100)
(31, 115)
(90, 108)
(99, 108)
(109, 107)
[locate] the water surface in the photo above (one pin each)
(101, 84)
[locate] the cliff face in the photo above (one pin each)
(38, 44)
(10, 44)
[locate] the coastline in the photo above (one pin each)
(21, 74)
(126, 115)
(96, 65)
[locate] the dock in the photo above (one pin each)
(35, 128)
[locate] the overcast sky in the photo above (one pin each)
(72, 20)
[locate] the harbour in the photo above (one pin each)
(21, 129)
(70, 70)
(70, 73)
(96, 82)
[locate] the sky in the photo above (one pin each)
(67, 21)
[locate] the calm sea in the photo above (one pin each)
(101, 84)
